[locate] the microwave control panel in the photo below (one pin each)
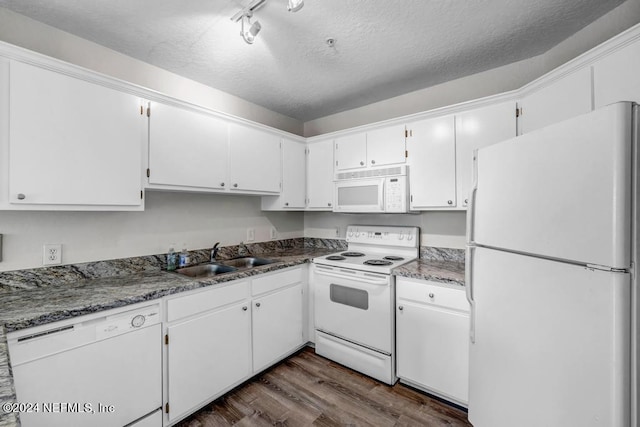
(395, 194)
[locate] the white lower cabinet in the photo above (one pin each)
(432, 338)
(209, 351)
(277, 326)
(219, 337)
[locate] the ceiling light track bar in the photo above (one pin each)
(254, 5)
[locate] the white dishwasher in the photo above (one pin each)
(103, 369)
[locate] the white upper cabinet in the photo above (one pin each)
(378, 147)
(562, 99)
(254, 160)
(386, 146)
(616, 76)
(476, 129)
(320, 175)
(186, 149)
(72, 144)
(432, 163)
(293, 193)
(351, 151)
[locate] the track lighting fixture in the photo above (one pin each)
(248, 30)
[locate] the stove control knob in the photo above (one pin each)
(401, 236)
(370, 235)
(351, 234)
(138, 321)
(357, 234)
(409, 237)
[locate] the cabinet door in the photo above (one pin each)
(277, 326)
(386, 146)
(432, 157)
(476, 129)
(187, 148)
(72, 142)
(293, 174)
(433, 349)
(320, 175)
(254, 159)
(565, 98)
(206, 356)
(616, 76)
(351, 151)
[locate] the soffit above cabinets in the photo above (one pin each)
(383, 48)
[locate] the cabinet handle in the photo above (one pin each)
(361, 163)
(21, 196)
(222, 184)
(235, 185)
(286, 204)
(400, 308)
(244, 308)
(257, 304)
(431, 295)
(450, 202)
(373, 162)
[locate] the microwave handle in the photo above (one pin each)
(381, 191)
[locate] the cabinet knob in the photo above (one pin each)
(400, 308)
(235, 185)
(286, 204)
(466, 201)
(257, 304)
(21, 196)
(222, 184)
(373, 162)
(450, 202)
(431, 295)
(244, 308)
(361, 163)
(329, 204)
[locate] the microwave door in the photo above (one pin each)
(364, 195)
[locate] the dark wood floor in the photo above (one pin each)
(309, 390)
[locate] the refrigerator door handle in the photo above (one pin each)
(471, 210)
(468, 282)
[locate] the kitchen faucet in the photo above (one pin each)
(214, 252)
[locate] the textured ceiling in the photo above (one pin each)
(383, 48)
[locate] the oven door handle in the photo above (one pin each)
(384, 281)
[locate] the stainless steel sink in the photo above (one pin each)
(247, 262)
(204, 270)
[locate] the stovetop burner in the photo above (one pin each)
(377, 262)
(352, 254)
(335, 258)
(393, 258)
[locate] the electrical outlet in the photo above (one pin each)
(337, 231)
(52, 254)
(274, 233)
(251, 234)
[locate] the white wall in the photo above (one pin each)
(199, 220)
(441, 229)
(491, 82)
(21, 31)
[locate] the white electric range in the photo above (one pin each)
(354, 294)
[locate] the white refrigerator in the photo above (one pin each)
(552, 247)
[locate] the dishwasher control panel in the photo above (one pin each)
(128, 321)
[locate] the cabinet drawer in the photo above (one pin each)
(209, 299)
(432, 293)
(271, 282)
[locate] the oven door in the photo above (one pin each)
(361, 195)
(355, 305)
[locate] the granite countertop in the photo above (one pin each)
(442, 271)
(68, 292)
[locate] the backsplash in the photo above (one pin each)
(430, 253)
(45, 276)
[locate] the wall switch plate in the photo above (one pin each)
(273, 233)
(52, 254)
(251, 234)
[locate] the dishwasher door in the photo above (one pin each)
(105, 371)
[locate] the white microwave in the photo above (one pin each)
(383, 190)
